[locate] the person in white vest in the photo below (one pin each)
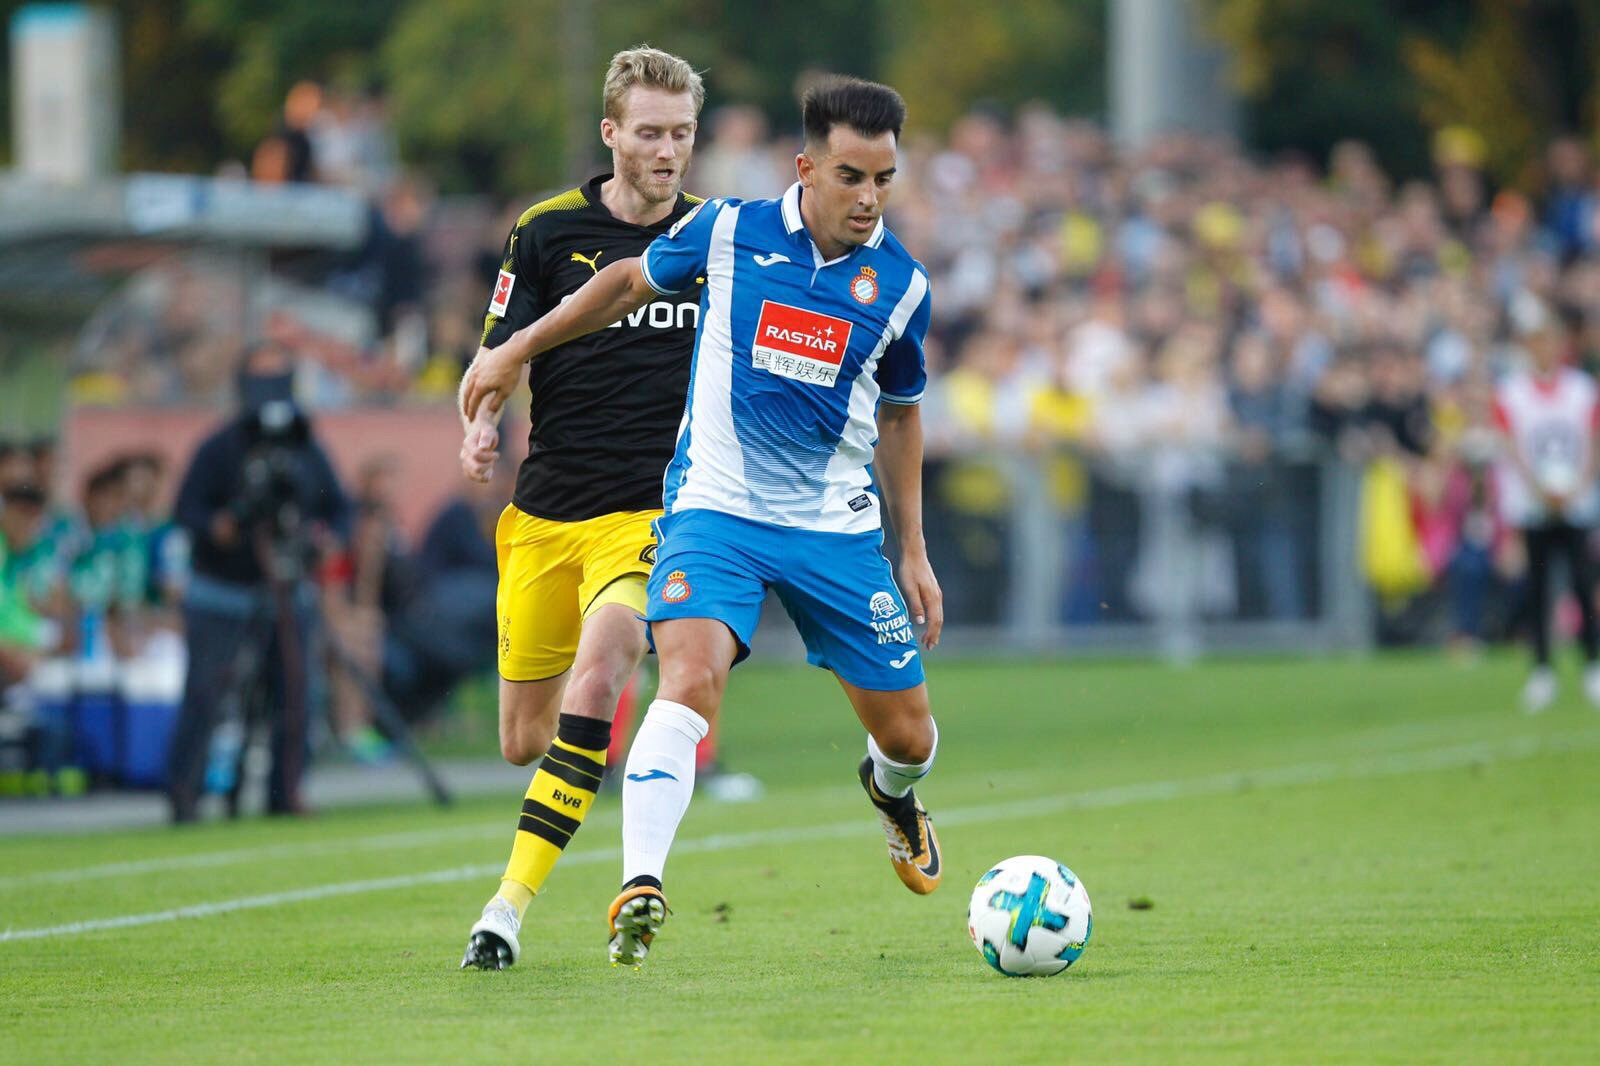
(1548, 413)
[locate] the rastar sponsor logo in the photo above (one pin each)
(804, 345)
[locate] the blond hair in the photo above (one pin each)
(653, 69)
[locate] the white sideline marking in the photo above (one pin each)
(201, 860)
(339, 846)
(342, 845)
(1413, 731)
(1394, 765)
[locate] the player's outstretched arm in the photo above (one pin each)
(613, 293)
(898, 462)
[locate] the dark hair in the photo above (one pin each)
(864, 106)
(25, 492)
(108, 475)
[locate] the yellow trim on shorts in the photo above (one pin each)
(630, 590)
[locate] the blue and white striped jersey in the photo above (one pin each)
(792, 355)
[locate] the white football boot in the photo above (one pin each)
(492, 944)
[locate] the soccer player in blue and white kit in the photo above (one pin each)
(808, 368)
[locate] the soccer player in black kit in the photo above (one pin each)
(575, 546)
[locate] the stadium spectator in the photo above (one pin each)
(24, 633)
(1550, 486)
(446, 629)
(287, 154)
(371, 584)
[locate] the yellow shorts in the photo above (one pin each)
(553, 575)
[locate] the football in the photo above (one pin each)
(1029, 917)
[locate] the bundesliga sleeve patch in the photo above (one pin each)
(502, 294)
(685, 220)
(803, 345)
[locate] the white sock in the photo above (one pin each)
(898, 778)
(656, 786)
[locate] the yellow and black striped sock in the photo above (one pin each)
(560, 796)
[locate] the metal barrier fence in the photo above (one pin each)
(1169, 552)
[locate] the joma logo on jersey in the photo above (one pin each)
(793, 342)
(660, 314)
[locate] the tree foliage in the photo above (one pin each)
(1388, 71)
(946, 55)
(480, 87)
(475, 90)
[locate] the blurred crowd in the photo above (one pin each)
(380, 322)
(94, 598)
(100, 578)
(1198, 326)
(1178, 323)
(1195, 322)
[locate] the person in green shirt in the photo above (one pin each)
(24, 634)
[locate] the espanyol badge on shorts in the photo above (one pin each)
(864, 287)
(677, 589)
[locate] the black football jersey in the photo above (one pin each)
(606, 407)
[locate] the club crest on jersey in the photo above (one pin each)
(502, 294)
(864, 287)
(793, 342)
(677, 589)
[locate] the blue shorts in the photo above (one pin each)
(836, 587)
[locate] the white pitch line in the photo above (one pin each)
(341, 845)
(1395, 765)
(259, 853)
(262, 852)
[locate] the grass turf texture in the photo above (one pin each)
(1406, 870)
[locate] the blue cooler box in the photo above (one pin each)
(152, 692)
(96, 734)
(50, 687)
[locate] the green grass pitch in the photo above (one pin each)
(1352, 860)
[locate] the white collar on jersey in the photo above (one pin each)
(794, 223)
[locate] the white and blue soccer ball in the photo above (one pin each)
(1029, 917)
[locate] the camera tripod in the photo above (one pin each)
(246, 691)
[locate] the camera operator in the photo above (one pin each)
(258, 498)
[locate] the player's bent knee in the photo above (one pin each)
(523, 745)
(906, 741)
(594, 693)
(513, 751)
(695, 684)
